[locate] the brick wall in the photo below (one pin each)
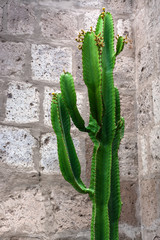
(37, 43)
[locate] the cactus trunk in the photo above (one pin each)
(106, 127)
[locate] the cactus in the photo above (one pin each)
(106, 126)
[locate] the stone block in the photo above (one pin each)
(157, 59)
(22, 104)
(144, 155)
(128, 111)
(1, 18)
(129, 197)
(23, 212)
(128, 159)
(72, 210)
(16, 147)
(155, 150)
(124, 27)
(149, 201)
(48, 62)
(124, 73)
(144, 105)
(128, 232)
(21, 18)
(120, 6)
(156, 100)
(89, 20)
(89, 4)
(145, 65)
(59, 24)
(12, 59)
(47, 104)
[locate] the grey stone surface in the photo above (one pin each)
(16, 147)
(156, 100)
(155, 150)
(48, 62)
(1, 18)
(22, 104)
(23, 211)
(124, 27)
(21, 18)
(53, 24)
(12, 58)
(128, 159)
(144, 107)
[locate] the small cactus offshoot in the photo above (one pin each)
(105, 128)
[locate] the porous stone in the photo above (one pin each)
(129, 199)
(128, 111)
(157, 59)
(12, 60)
(149, 202)
(22, 104)
(155, 150)
(48, 62)
(125, 65)
(72, 210)
(1, 17)
(47, 104)
(156, 100)
(91, 4)
(124, 27)
(59, 24)
(20, 18)
(16, 147)
(146, 64)
(128, 159)
(144, 169)
(120, 6)
(144, 105)
(49, 157)
(128, 232)
(23, 212)
(90, 19)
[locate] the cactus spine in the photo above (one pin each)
(106, 127)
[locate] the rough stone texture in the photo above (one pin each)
(144, 163)
(128, 157)
(22, 104)
(90, 19)
(149, 201)
(1, 18)
(129, 197)
(49, 156)
(20, 18)
(48, 62)
(16, 147)
(12, 59)
(146, 64)
(155, 150)
(124, 27)
(128, 112)
(24, 211)
(144, 108)
(156, 100)
(72, 210)
(53, 24)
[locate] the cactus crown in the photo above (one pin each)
(106, 126)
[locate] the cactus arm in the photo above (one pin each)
(69, 96)
(92, 75)
(68, 160)
(99, 26)
(115, 198)
(120, 45)
(108, 92)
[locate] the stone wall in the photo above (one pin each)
(147, 60)
(37, 43)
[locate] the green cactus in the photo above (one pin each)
(106, 127)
